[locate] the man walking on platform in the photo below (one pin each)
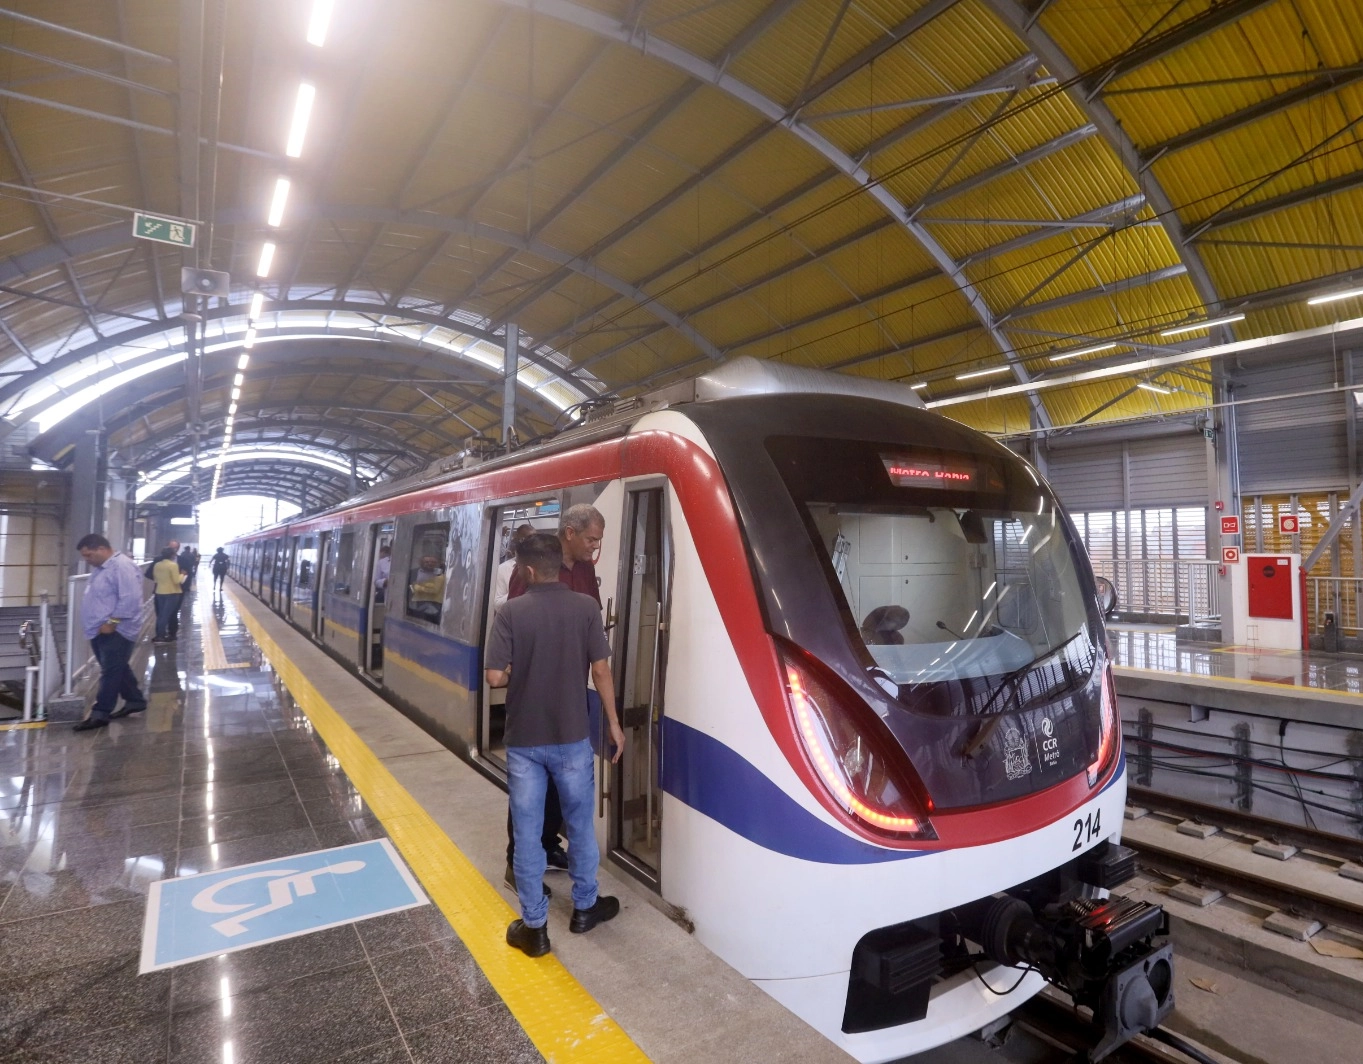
(543, 645)
(219, 564)
(109, 614)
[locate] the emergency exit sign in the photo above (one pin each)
(164, 230)
(1230, 526)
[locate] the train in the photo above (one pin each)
(873, 758)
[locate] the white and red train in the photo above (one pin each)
(872, 749)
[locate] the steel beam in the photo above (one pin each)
(993, 173)
(1126, 284)
(1255, 112)
(1295, 198)
(1216, 17)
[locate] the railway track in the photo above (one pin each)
(1307, 884)
(1051, 1019)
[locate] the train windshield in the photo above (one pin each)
(959, 583)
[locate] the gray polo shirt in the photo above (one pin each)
(549, 637)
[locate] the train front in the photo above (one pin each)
(948, 706)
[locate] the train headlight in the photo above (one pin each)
(1107, 722)
(854, 764)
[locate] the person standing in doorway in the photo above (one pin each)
(109, 615)
(542, 648)
(219, 565)
(581, 530)
(166, 597)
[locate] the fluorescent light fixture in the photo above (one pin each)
(981, 373)
(1154, 388)
(317, 24)
(257, 305)
(236, 394)
(266, 260)
(1198, 326)
(232, 410)
(919, 386)
(236, 381)
(1083, 351)
(244, 361)
(249, 340)
(298, 128)
(277, 202)
(1334, 297)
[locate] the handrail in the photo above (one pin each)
(1165, 586)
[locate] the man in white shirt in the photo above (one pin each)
(508, 567)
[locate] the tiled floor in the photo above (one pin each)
(1148, 647)
(222, 769)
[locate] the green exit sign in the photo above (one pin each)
(166, 230)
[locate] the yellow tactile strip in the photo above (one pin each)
(214, 655)
(559, 1016)
(19, 725)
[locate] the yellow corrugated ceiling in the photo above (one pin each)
(907, 189)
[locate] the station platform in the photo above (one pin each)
(1313, 687)
(256, 747)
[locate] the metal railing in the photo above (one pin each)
(1339, 595)
(44, 669)
(1165, 587)
(79, 656)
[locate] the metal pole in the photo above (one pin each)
(510, 364)
(30, 681)
(70, 632)
(42, 653)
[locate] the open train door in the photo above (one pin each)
(631, 799)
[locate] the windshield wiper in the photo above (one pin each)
(1010, 680)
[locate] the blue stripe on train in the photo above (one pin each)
(440, 654)
(717, 781)
(345, 612)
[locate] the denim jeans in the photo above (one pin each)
(167, 615)
(116, 678)
(572, 767)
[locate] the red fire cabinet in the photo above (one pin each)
(1270, 585)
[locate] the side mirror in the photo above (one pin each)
(1107, 596)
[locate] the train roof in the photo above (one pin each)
(601, 419)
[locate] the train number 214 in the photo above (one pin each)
(1088, 828)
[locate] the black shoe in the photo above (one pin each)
(125, 710)
(510, 878)
(557, 858)
(606, 908)
(532, 941)
(91, 723)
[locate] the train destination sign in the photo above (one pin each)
(920, 470)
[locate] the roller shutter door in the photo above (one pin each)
(1292, 445)
(1164, 471)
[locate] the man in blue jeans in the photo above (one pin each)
(542, 646)
(109, 614)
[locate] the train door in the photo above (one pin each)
(292, 553)
(267, 573)
(634, 799)
(375, 593)
(504, 521)
(326, 560)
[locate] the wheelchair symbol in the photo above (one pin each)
(285, 887)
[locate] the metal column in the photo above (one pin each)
(510, 365)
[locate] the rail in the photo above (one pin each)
(1165, 587)
(79, 656)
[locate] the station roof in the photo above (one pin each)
(954, 193)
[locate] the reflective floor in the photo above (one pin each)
(1150, 647)
(222, 769)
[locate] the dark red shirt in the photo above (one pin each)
(581, 578)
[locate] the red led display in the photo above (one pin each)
(909, 471)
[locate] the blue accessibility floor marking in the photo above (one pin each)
(231, 909)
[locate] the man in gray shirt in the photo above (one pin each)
(542, 646)
(108, 615)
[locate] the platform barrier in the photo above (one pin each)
(1176, 588)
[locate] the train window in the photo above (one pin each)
(426, 572)
(306, 562)
(345, 562)
(961, 576)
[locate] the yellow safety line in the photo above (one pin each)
(19, 725)
(1169, 675)
(559, 1016)
(214, 655)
